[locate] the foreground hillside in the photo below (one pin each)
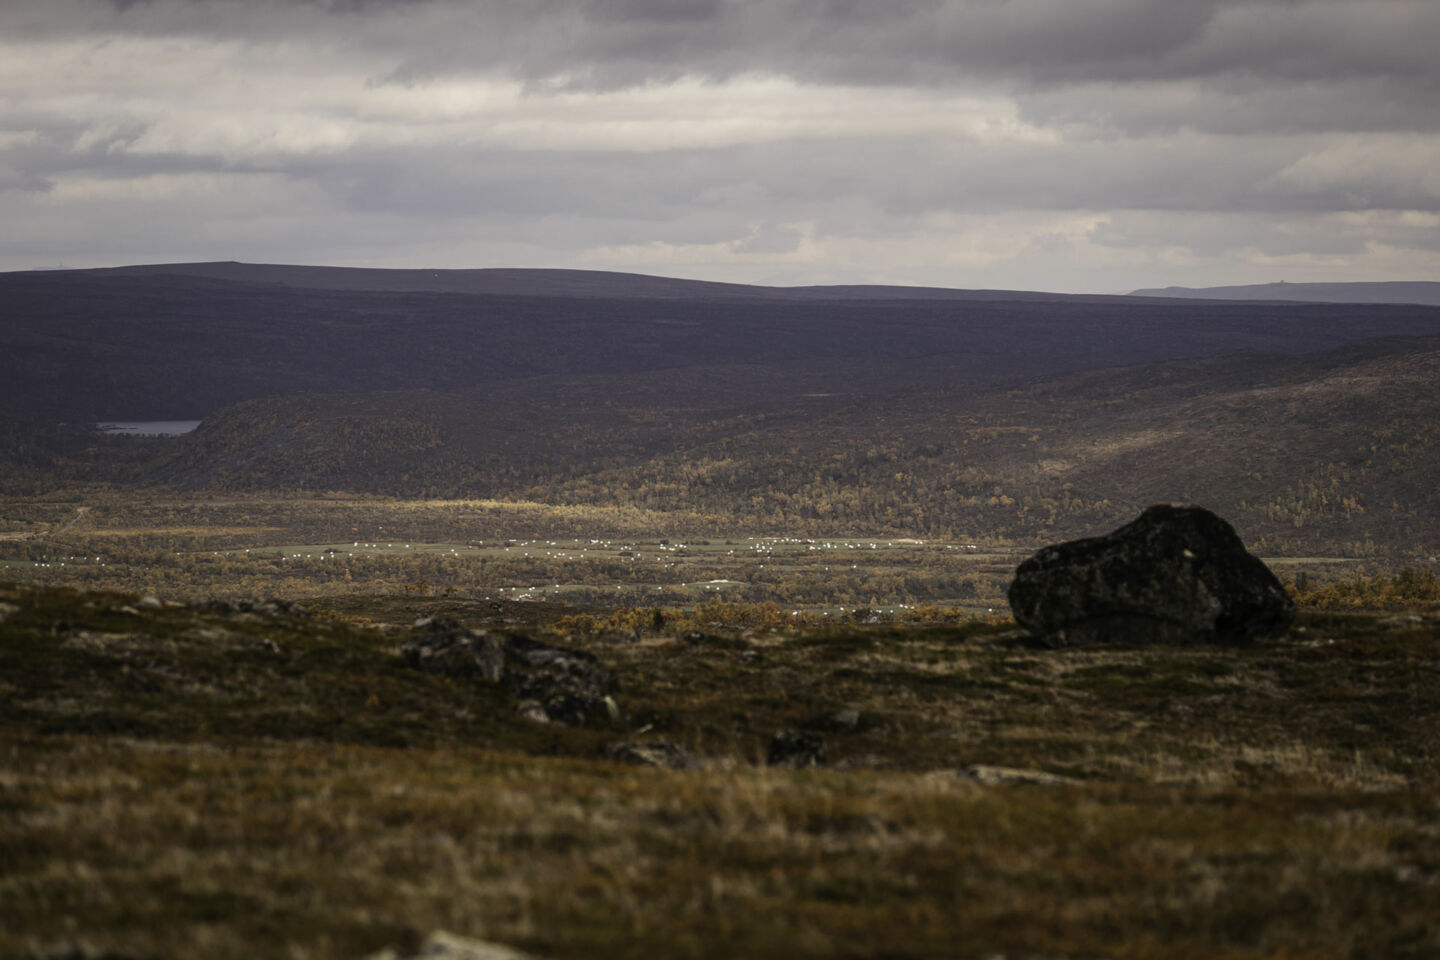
(184, 780)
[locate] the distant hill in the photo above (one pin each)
(512, 282)
(1320, 454)
(117, 345)
(1416, 291)
(956, 414)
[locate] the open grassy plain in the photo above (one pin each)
(327, 548)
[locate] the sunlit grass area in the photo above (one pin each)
(336, 547)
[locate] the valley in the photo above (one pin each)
(761, 538)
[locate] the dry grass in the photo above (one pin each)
(167, 791)
(307, 850)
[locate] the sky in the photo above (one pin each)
(1088, 146)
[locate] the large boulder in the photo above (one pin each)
(1176, 574)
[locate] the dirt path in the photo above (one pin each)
(79, 512)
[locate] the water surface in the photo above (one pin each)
(148, 428)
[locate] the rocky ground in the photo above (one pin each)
(266, 780)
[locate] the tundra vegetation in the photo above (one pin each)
(266, 779)
(760, 513)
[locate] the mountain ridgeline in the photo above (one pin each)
(809, 410)
(145, 345)
(1402, 291)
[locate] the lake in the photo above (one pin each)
(148, 428)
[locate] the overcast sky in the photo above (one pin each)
(1076, 145)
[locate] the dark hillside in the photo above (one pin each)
(1336, 451)
(1333, 452)
(1401, 291)
(91, 346)
(502, 281)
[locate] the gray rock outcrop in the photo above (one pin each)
(1177, 574)
(446, 648)
(551, 684)
(664, 754)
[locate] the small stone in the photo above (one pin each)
(7, 610)
(150, 603)
(650, 753)
(446, 648)
(994, 776)
(836, 721)
(448, 946)
(791, 748)
(550, 684)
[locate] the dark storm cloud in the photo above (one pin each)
(1030, 41)
(1133, 66)
(1261, 64)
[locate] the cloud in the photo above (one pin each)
(1044, 143)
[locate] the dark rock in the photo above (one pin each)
(550, 684)
(269, 608)
(994, 776)
(570, 686)
(269, 646)
(1177, 574)
(288, 608)
(447, 648)
(835, 721)
(790, 748)
(650, 753)
(712, 641)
